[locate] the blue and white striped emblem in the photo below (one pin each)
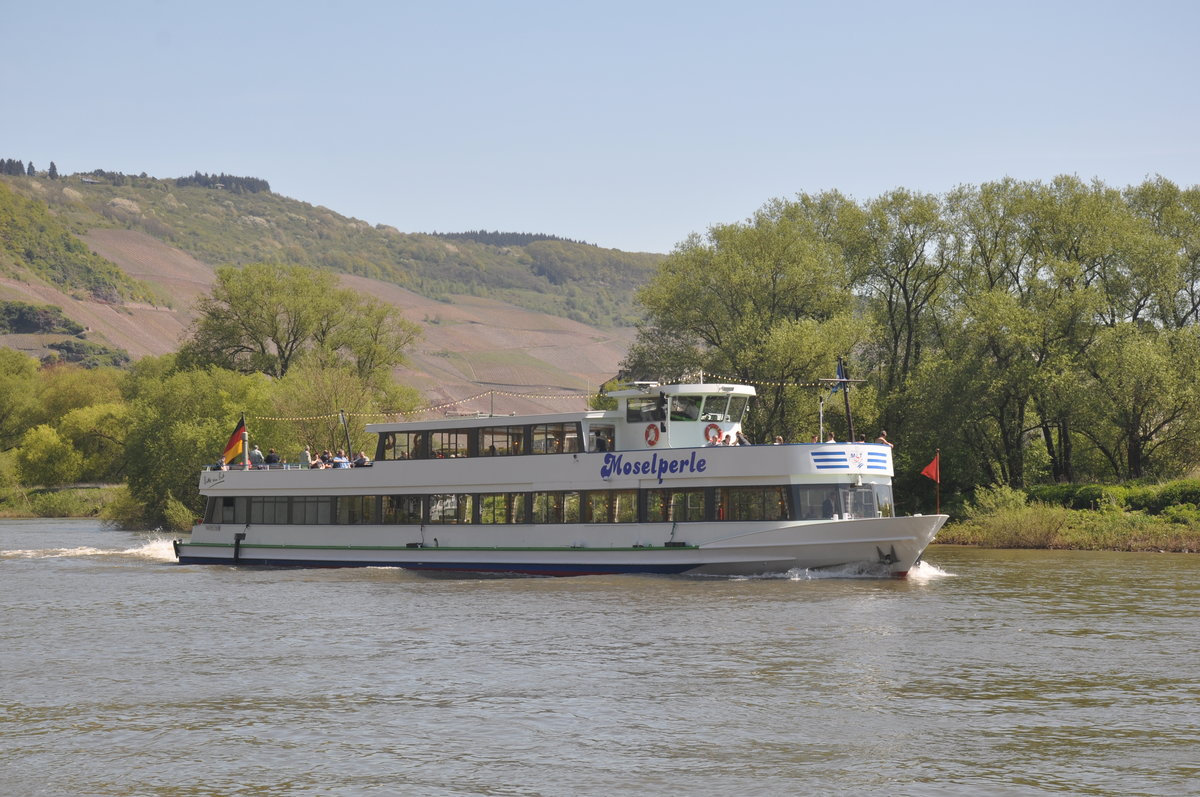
(846, 459)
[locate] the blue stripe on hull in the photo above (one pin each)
(557, 569)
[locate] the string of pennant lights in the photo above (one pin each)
(432, 408)
(710, 378)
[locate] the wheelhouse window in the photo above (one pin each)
(737, 408)
(725, 409)
(686, 408)
(645, 410)
(715, 409)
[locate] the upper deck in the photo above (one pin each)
(647, 417)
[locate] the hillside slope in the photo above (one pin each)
(227, 227)
(470, 344)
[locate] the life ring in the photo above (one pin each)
(652, 434)
(712, 433)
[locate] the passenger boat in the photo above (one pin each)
(644, 488)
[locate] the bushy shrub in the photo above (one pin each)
(995, 499)
(1179, 492)
(124, 511)
(60, 503)
(1142, 498)
(1059, 494)
(45, 459)
(176, 516)
(1182, 514)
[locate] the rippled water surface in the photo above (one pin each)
(987, 672)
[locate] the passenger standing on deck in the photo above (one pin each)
(883, 438)
(306, 459)
(256, 457)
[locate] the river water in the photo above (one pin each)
(986, 672)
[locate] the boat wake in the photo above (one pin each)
(922, 572)
(157, 549)
(927, 571)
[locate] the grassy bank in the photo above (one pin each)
(1004, 518)
(79, 501)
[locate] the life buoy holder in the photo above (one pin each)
(652, 434)
(712, 433)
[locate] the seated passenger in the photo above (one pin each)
(340, 460)
(361, 460)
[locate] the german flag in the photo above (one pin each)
(235, 447)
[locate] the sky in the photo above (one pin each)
(630, 125)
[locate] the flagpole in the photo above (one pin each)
(842, 374)
(245, 444)
(937, 455)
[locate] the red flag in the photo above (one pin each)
(234, 448)
(934, 469)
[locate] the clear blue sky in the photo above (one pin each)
(625, 124)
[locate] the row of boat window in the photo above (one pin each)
(781, 502)
(542, 438)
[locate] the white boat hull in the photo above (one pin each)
(881, 545)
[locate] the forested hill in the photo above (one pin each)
(221, 219)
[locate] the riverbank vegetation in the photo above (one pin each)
(304, 353)
(1001, 517)
(1032, 332)
(1038, 337)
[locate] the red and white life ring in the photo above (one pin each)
(712, 433)
(652, 434)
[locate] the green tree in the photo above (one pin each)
(18, 396)
(1147, 399)
(767, 302)
(906, 264)
(63, 388)
(316, 394)
(266, 318)
(98, 432)
(178, 425)
(45, 459)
